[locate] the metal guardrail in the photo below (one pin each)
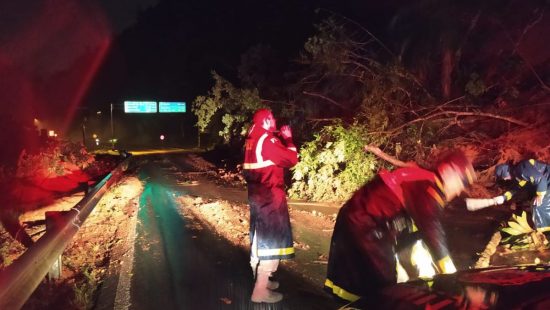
(19, 280)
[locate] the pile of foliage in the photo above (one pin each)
(348, 88)
(333, 164)
(225, 109)
(56, 158)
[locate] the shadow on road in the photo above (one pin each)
(181, 264)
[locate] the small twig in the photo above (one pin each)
(327, 99)
(323, 119)
(321, 262)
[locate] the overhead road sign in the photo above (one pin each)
(172, 107)
(140, 107)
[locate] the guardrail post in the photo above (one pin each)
(53, 219)
(19, 280)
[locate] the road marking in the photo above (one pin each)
(122, 298)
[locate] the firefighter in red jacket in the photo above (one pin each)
(270, 233)
(382, 212)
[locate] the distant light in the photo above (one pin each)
(96, 141)
(51, 133)
(94, 136)
(162, 137)
(98, 112)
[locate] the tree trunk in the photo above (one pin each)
(446, 73)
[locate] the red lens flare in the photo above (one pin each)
(49, 54)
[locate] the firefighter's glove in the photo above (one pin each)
(446, 265)
(473, 204)
(538, 200)
(498, 200)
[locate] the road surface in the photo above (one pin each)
(179, 264)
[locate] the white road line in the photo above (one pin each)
(122, 298)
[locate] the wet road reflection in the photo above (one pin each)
(181, 264)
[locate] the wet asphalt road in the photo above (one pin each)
(180, 264)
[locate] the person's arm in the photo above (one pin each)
(474, 204)
(424, 205)
(540, 180)
(281, 155)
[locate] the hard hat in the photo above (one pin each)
(502, 171)
(458, 160)
(260, 115)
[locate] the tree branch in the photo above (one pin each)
(364, 29)
(392, 160)
(327, 99)
(457, 114)
(516, 46)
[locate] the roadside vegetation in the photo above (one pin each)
(473, 78)
(443, 74)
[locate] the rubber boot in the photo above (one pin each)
(261, 291)
(254, 266)
(271, 284)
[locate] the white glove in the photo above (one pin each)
(498, 200)
(538, 200)
(473, 204)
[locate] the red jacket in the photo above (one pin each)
(265, 157)
(373, 220)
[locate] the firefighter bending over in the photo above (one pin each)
(528, 174)
(363, 246)
(270, 233)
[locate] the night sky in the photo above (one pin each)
(64, 60)
(61, 57)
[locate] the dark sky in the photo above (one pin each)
(61, 57)
(57, 55)
(123, 13)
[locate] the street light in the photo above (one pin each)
(112, 130)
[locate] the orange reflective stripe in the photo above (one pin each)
(439, 185)
(436, 196)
